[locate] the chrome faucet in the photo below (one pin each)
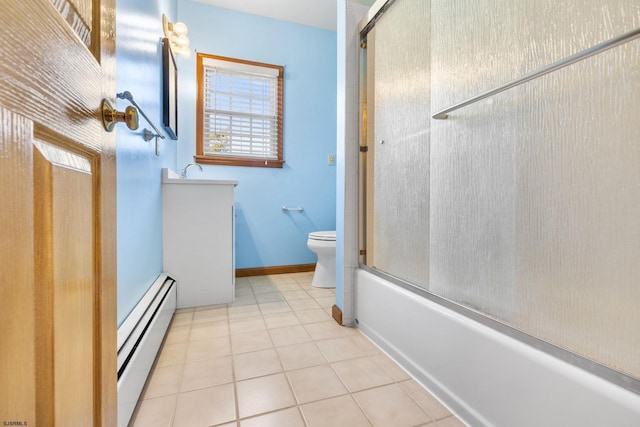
(183, 172)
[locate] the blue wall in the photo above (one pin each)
(265, 236)
(139, 55)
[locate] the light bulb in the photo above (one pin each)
(185, 52)
(182, 41)
(180, 29)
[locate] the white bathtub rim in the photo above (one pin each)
(567, 372)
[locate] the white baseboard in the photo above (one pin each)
(139, 340)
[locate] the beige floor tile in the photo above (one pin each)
(253, 341)
(177, 328)
(306, 283)
(289, 335)
(295, 295)
(210, 307)
(287, 287)
(274, 279)
(236, 312)
(172, 354)
(264, 289)
(326, 302)
(164, 381)
(391, 368)
(178, 334)
(390, 406)
(315, 383)
(304, 304)
(312, 316)
(207, 373)
(300, 356)
(243, 300)
(262, 280)
(243, 290)
(156, 412)
(264, 394)
(256, 364)
(274, 307)
(246, 324)
(242, 281)
(286, 418)
(344, 348)
(269, 297)
(430, 404)
(205, 407)
(201, 331)
(283, 278)
(328, 329)
(322, 292)
(280, 320)
(185, 310)
(208, 349)
(211, 315)
(340, 411)
(180, 319)
(450, 422)
(360, 374)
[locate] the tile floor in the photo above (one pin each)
(276, 358)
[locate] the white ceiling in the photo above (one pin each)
(315, 13)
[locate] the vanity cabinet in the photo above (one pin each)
(198, 238)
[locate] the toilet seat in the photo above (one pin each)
(326, 236)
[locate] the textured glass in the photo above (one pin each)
(534, 193)
(401, 145)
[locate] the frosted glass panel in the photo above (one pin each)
(401, 144)
(533, 210)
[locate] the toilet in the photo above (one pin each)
(323, 243)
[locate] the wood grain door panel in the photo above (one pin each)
(65, 267)
(57, 216)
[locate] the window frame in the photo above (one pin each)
(200, 157)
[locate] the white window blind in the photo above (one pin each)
(240, 110)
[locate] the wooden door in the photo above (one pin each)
(57, 214)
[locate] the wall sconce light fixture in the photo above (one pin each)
(177, 35)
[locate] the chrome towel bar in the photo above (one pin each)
(148, 135)
(611, 43)
(288, 209)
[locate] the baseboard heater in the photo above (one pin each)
(139, 339)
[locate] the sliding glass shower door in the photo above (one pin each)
(524, 206)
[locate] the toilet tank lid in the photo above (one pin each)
(323, 235)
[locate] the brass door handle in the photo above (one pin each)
(110, 116)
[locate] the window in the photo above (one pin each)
(239, 112)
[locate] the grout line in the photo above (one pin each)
(306, 287)
(233, 377)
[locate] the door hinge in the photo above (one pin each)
(364, 148)
(363, 251)
(363, 45)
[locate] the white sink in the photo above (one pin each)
(171, 177)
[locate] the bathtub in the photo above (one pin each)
(485, 377)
